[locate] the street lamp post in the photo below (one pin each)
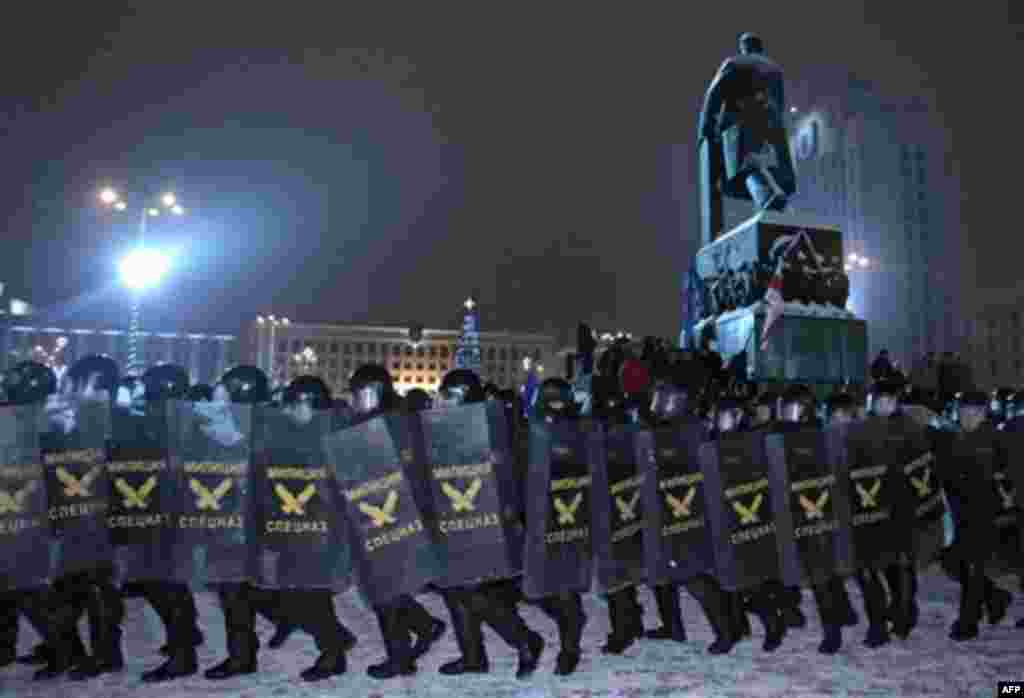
(142, 268)
(271, 322)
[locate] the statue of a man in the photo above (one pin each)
(742, 136)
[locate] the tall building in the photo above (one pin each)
(206, 357)
(876, 167)
(416, 357)
(994, 339)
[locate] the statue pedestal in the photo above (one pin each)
(736, 268)
(817, 345)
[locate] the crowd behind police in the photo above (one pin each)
(658, 388)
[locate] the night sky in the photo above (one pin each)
(462, 148)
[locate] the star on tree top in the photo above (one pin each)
(470, 304)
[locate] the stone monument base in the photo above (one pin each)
(818, 345)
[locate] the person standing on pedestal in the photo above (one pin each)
(742, 136)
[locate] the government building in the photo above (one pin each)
(416, 357)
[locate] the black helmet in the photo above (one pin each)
(29, 382)
(972, 398)
(554, 399)
(417, 400)
(382, 394)
(247, 385)
(102, 367)
(463, 382)
(200, 392)
(370, 373)
(491, 391)
(608, 400)
(840, 402)
(802, 397)
(165, 382)
(886, 388)
(309, 389)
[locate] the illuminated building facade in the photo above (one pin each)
(876, 168)
(206, 357)
(415, 357)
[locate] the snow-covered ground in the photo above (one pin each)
(927, 664)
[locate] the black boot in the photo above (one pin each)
(789, 605)
(399, 661)
(61, 637)
(468, 634)
(847, 614)
(738, 606)
(328, 664)
(418, 620)
(667, 599)
(624, 626)
(105, 609)
(831, 613)
(717, 607)
(243, 644)
(997, 602)
(529, 655)
(493, 605)
(972, 596)
(8, 630)
(181, 630)
(765, 605)
(567, 612)
(874, 606)
(903, 610)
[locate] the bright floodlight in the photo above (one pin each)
(853, 257)
(143, 268)
(120, 205)
(154, 212)
(177, 210)
(169, 199)
(108, 196)
(863, 261)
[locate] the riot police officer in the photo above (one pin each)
(610, 407)
(31, 383)
(92, 379)
(373, 394)
(969, 491)
(312, 610)
(555, 405)
(174, 603)
(671, 406)
(798, 407)
(491, 602)
(766, 600)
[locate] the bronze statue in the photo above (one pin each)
(742, 137)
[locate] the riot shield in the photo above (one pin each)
(210, 456)
(376, 469)
(144, 498)
(299, 535)
(557, 554)
(877, 496)
(475, 492)
(811, 506)
(25, 537)
(908, 442)
(677, 539)
(74, 456)
(740, 510)
(617, 507)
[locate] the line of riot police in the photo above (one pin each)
(154, 488)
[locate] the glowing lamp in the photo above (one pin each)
(143, 268)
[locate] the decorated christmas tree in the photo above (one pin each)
(467, 350)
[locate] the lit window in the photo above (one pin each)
(433, 352)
